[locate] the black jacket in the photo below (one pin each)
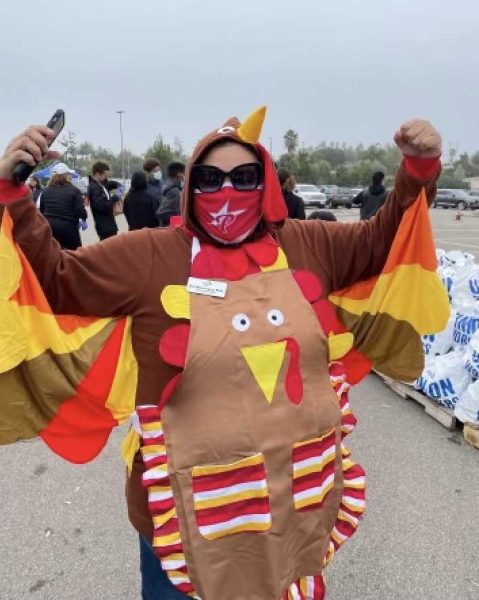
(170, 203)
(370, 201)
(102, 210)
(139, 209)
(63, 206)
(295, 205)
(63, 202)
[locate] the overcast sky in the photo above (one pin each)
(335, 70)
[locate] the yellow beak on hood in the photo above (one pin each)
(250, 130)
(265, 362)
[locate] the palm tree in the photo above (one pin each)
(291, 141)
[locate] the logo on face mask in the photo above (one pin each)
(225, 218)
(228, 215)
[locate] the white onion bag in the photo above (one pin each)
(444, 378)
(467, 407)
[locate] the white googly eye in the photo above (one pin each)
(227, 129)
(241, 322)
(275, 317)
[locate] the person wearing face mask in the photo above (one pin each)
(170, 202)
(238, 367)
(101, 204)
(152, 168)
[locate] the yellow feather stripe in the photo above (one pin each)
(250, 461)
(129, 447)
(153, 449)
(405, 294)
(33, 332)
(10, 261)
(122, 396)
(152, 427)
(161, 519)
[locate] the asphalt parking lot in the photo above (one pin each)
(65, 533)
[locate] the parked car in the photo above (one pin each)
(330, 191)
(311, 195)
(459, 199)
(474, 194)
(344, 197)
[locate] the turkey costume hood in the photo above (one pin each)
(273, 208)
(232, 363)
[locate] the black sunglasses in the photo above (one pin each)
(207, 178)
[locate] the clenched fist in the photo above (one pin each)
(418, 138)
(30, 146)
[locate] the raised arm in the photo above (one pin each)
(100, 280)
(351, 252)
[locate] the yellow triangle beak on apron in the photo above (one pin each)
(265, 362)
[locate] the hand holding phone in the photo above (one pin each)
(32, 147)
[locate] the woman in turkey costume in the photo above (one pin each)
(230, 341)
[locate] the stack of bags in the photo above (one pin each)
(451, 373)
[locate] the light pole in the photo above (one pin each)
(271, 146)
(120, 112)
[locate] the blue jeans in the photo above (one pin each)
(155, 585)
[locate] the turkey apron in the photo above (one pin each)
(244, 464)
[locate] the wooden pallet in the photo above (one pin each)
(443, 415)
(471, 434)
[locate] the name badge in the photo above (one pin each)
(207, 287)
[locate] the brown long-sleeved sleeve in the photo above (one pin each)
(344, 253)
(105, 279)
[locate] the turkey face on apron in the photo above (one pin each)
(253, 441)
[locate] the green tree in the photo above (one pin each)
(333, 155)
(291, 141)
(452, 178)
(70, 153)
(164, 152)
(288, 161)
(475, 159)
(324, 174)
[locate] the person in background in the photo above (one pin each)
(322, 215)
(152, 168)
(36, 188)
(140, 206)
(294, 203)
(371, 200)
(61, 203)
(100, 202)
(170, 203)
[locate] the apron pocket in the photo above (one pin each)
(313, 471)
(231, 498)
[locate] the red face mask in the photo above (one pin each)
(228, 215)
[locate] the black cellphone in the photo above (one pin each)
(22, 170)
